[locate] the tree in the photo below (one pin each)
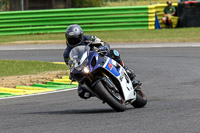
(4, 5)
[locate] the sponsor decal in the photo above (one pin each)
(122, 76)
(110, 66)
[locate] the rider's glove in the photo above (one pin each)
(103, 49)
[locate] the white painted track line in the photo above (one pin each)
(113, 45)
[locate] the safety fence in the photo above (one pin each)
(90, 19)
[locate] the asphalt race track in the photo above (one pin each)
(171, 81)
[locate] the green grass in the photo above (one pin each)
(19, 67)
(133, 36)
(31, 37)
(152, 36)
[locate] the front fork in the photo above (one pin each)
(103, 79)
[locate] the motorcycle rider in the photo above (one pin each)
(75, 37)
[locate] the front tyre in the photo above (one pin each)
(141, 99)
(115, 103)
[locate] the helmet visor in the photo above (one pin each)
(74, 41)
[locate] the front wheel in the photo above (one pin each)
(141, 99)
(111, 99)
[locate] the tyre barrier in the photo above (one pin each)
(56, 84)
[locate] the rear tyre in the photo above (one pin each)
(141, 99)
(117, 104)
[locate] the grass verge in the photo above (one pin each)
(19, 67)
(137, 36)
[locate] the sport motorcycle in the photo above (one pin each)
(104, 78)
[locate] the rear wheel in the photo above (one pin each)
(141, 99)
(110, 97)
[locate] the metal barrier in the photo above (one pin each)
(90, 19)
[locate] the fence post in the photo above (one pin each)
(22, 5)
(2, 5)
(102, 2)
(135, 1)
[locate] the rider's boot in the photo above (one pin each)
(131, 74)
(83, 93)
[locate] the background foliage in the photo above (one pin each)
(5, 4)
(86, 3)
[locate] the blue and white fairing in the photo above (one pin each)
(119, 72)
(116, 70)
(81, 59)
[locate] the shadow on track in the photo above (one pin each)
(77, 111)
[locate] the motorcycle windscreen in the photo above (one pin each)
(79, 54)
